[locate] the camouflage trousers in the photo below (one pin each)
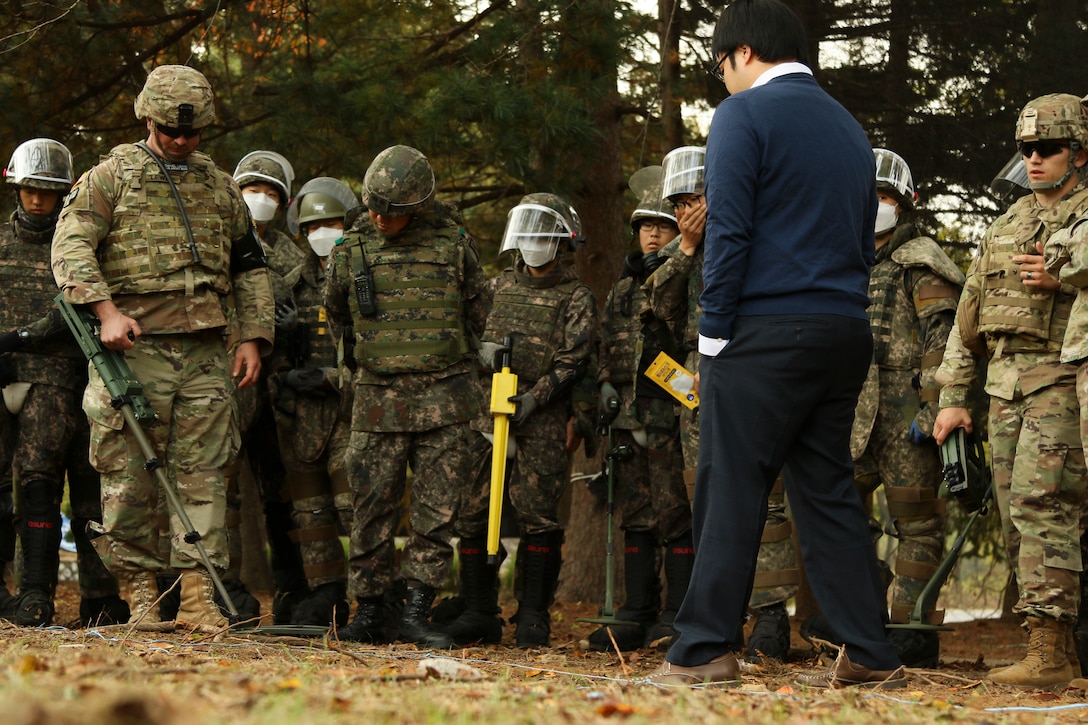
(441, 461)
(777, 576)
(186, 378)
(1040, 484)
(910, 475)
(47, 442)
(536, 476)
(320, 496)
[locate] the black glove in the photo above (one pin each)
(286, 318)
(311, 381)
(526, 404)
(651, 261)
(7, 370)
(12, 341)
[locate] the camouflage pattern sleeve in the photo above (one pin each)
(604, 367)
(578, 347)
(255, 307)
(667, 288)
(85, 221)
(1067, 254)
(337, 287)
(477, 292)
(956, 373)
(935, 321)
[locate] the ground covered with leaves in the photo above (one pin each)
(117, 676)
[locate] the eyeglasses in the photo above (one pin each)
(661, 226)
(714, 68)
(1045, 149)
(178, 132)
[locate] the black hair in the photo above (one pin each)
(768, 27)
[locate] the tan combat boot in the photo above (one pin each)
(143, 595)
(1046, 665)
(198, 605)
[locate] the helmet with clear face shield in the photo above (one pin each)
(398, 182)
(321, 198)
(539, 225)
(41, 163)
(267, 166)
(176, 96)
(682, 172)
(646, 183)
(893, 175)
(1012, 181)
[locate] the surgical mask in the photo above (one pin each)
(323, 239)
(538, 257)
(886, 217)
(262, 207)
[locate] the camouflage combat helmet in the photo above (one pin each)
(893, 176)
(646, 183)
(682, 172)
(41, 163)
(398, 182)
(267, 166)
(1055, 117)
(320, 198)
(176, 96)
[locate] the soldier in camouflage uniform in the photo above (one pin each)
(313, 409)
(43, 378)
(552, 318)
(158, 243)
(1014, 313)
(673, 292)
(914, 288)
(407, 287)
(644, 418)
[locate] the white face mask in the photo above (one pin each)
(323, 239)
(262, 207)
(886, 217)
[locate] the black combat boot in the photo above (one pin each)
(415, 624)
(103, 611)
(326, 604)
(285, 560)
(248, 606)
(479, 621)
(540, 556)
(679, 562)
(770, 634)
(40, 537)
(916, 647)
(7, 549)
(170, 599)
(376, 619)
(643, 585)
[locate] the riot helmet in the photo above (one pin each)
(267, 166)
(176, 96)
(893, 176)
(41, 163)
(1054, 117)
(682, 172)
(1012, 181)
(538, 225)
(398, 182)
(320, 198)
(646, 183)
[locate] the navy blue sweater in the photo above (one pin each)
(791, 204)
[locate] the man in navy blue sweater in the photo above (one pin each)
(785, 344)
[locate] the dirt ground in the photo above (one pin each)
(117, 676)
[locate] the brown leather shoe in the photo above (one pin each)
(847, 674)
(722, 670)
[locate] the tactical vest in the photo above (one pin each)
(885, 281)
(625, 338)
(419, 325)
(147, 249)
(1007, 306)
(310, 298)
(536, 314)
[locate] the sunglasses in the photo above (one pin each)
(178, 132)
(1045, 149)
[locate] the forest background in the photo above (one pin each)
(515, 96)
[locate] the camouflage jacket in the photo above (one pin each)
(913, 291)
(28, 292)
(1067, 259)
(121, 236)
(674, 290)
(416, 400)
(1018, 363)
(553, 321)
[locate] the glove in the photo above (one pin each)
(286, 318)
(921, 428)
(650, 262)
(490, 354)
(916, 436)
(608, 405)
(526, 404)
(11, 341)
(7, 370)
(311, 381)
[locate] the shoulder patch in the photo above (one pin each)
(71, 195)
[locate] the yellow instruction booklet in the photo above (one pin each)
(674, 378)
